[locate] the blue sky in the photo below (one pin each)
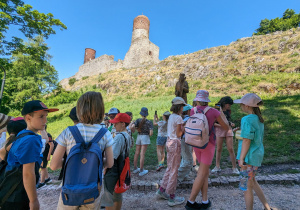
(177, 26)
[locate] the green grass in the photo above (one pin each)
(281, 113)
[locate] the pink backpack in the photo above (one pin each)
(197, 129)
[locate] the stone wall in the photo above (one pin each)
(99, 65)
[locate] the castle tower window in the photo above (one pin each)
(150, 52)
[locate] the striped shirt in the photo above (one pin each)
(88, 132)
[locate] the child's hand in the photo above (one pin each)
(232, 124)
(235, 129)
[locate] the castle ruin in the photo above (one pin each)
(141, 52)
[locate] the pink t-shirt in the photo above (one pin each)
(211, 115)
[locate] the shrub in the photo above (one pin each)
(84, 78)
(72, 81)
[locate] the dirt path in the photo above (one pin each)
(280, 197)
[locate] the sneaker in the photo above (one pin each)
(216, 169)
(175, 201)
(195, 168)
(49, 180)
(206, 205)
(40, 185)
(144, 172)
(193, 206)
(235, 171)
(163, 195)
(160, 166)
(136, 170)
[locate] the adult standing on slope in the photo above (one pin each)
(182, 87)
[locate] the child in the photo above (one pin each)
(26, 152)
(186, 150)
(175, 130)
(145, 130)
(130, 128)
(121, 121)
(204, 156)
(225, 104)
(251, 150)
(90, 112)
(161, 138)
(46, 157)
(112, 114)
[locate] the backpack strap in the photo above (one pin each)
(99, 135)
(206, 109)
(76, 134)
(126, 153)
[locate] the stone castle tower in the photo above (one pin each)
(141, 50)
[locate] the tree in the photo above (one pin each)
(28, 21)
(288, 14)
(31, 76)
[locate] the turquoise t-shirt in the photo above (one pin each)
(253, 129)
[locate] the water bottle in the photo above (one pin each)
(243, 180)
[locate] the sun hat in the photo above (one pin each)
(35, 106)
(113, 111)
(202, 96)
(250, 99)
(121, 117)
(16, 125)
(4, 120)
(167, 113)
(73, 114)
(178, 101)
(187, 107)
(144, 111)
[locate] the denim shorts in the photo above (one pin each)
(161, 141)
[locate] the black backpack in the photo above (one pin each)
(11, 182)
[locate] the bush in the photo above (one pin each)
(72, 81)
(84, 78)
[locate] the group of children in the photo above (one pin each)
(25, 153)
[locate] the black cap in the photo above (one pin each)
(34, 106)
(73, 114)
(16, 125)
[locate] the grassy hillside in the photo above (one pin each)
(268, 65)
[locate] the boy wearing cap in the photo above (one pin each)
(112, 114)
(26, 154)
(121, 145)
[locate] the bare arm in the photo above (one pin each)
(57, 158)
(155, 119)
(245, 148)
(179, 130)
(29, 181)
(150, 132)
(108, 161)
(222, 123)
(50, 150)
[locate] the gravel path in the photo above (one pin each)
(279, 197)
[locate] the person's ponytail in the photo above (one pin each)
(257, 111)
(141, 124)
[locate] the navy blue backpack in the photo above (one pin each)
(83, 170)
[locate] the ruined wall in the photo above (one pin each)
(89, 55)
(99, 65)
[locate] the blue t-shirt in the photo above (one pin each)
(253, 129)
(27, 149)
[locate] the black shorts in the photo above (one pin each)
(45, 156)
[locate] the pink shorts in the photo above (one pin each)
(206, 155)
(220, 132)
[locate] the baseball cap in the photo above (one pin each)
(178, 100)
(202, 96)
(16, 125)
(250, 99)
(121, 117)
(34, 106)
(187, 107)
(113, 111)
(73, 114)
(167, 113)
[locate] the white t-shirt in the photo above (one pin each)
(2, 139)
(173, 121)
